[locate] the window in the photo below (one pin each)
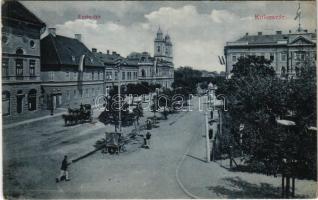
(116, 75)
(158, 48)
(86, 92)
(92, 74)
(271, 56)
(19, 67)
(299, 56)
(98, 75)
(283, 56)
(32, 67)
(51, 76)
(101, 76)
(263, 55)
(74, 93)
(143, 73)
(5, 103)
(128, 75)
(109, 75)
(32, 100)
(67, 75)
(75, 75)
(5, 39)
(233, 58)
(5, 67)
(32, 44)
(19, 51)
(283, 70)
(68, 95)
(123, 76)
(93, 90)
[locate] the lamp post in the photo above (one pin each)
(117, 66)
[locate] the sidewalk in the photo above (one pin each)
(212, 180)
(29, 118)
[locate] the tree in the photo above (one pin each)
(256, 98)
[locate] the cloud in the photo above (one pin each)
(220, 16)
(198, 30)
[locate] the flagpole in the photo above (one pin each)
(299, 17)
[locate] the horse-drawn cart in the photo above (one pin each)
(81, 115)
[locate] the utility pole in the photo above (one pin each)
(207, 137)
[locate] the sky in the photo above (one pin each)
(198, 30)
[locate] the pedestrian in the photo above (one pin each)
(64, 171)
(148, 136)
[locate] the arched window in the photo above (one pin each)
(143, 73)
(283, 70)
(32, 100)
(19, 51)
(5, 103)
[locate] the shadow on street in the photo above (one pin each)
(238, 188)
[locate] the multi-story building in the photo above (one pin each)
(21, 31)
(128, 73)
(70, 72)
(288, 52)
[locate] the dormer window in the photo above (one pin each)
(91, 60)
(73, 58)
(19, 51)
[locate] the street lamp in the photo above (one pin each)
(117, 66)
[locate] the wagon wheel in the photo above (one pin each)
(111, 150)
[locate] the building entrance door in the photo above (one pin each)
(20, 101)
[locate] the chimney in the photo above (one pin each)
(94, 50)
(306, 31)
(107, 52)
(259, 33)
(78, 36)
(278, 32)
(290, 31)
(246, 34)
(52, 31)
(114, 52)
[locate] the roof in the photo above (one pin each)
(108, 58)
(61, 50)
(273, 39)
(16, 11)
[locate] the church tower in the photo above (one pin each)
(168, 48)
(159, 45)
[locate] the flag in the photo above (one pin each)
(220, 60)
(81, 63)
(223, 60)
(298, 12)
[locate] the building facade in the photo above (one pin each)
(128, 73)
(21, 31)
(288, 52)
(158, 69)
(70, 72)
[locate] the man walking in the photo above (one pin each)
(64, 171)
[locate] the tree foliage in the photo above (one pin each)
(257, 98)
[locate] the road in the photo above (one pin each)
(144, 173)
